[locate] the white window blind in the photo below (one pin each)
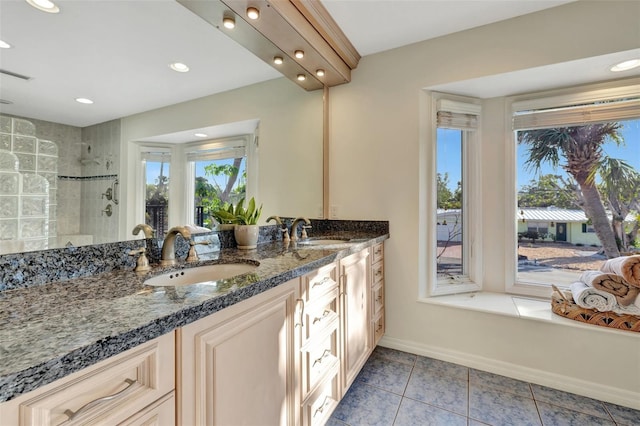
(160, 155)
(217, 150)
(578, 115)
(457, 115)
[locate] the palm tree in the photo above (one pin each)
(581, 147)
(621, 184)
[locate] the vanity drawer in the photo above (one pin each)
(319, 282)
(378, 299)
(160, 413)
(377, 253)
(321, 314)
(106, 393)
(378, 272)
(378, 327)
(319, 406)
(319, 357)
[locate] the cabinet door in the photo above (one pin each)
(238, 366)
(354, 291)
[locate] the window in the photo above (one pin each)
(202, 174)
(451, 195)
(578, 167)
(156, 165)
(219, 170)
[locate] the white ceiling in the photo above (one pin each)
(117, 52)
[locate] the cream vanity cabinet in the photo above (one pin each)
(355, 289)
(135, 387)
(238, 366)
(319, 345)
(283, 357)
(377, 293)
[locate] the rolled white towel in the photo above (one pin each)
(591, 298)
(632, 309)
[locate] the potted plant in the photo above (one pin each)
(245, 220)
(225, 216)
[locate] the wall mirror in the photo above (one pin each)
(70, 175)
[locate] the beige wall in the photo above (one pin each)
(375, 122)
(290, 150)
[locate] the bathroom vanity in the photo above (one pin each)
(278, 345)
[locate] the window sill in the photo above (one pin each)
(514, 306)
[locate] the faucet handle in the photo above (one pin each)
(142, 263)
(285, 237)
(193, 254)
(304, 231)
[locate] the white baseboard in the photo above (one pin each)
(541, 377)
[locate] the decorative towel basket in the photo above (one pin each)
(566, 307)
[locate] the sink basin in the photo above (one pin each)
(206, 274)
(322, 242)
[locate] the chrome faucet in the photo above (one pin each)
(284, 229)
(168, 256)
(294, 227)
(147, 229)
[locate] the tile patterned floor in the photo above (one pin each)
(402, 389)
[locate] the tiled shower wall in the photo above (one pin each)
(87, 164)
(100, 170)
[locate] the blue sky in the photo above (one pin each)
(153, 170)
(448, 154)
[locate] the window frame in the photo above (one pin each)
(429, 284)
(182, 181)
(193, 149)
(578, 95)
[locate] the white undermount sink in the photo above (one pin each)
(201, 274)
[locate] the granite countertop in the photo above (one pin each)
(49, 331)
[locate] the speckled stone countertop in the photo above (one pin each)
(49, 331)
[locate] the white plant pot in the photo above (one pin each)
(246, 236)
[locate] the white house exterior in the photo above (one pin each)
(558, 224)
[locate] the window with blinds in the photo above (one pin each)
(219, 171)
(457, 125)
(578, 152)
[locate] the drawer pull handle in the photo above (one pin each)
(379, 299)
(89, 404)
(379, 329)
(322, 281)
(325, 354)
(378, 272)
(324, 315)
(321, 408)
(301, 323)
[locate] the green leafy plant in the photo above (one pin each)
(230, 214)
(225, 214)
(250, 215)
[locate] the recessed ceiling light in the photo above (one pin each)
(84, 101)
(4, 45)
(302, 77)
(278, 60)
(44, 5)
(320, 72)
(253, 13)
(626, 65)
(200, 135)
(179, 66)
(299, 54)
(229, 23)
